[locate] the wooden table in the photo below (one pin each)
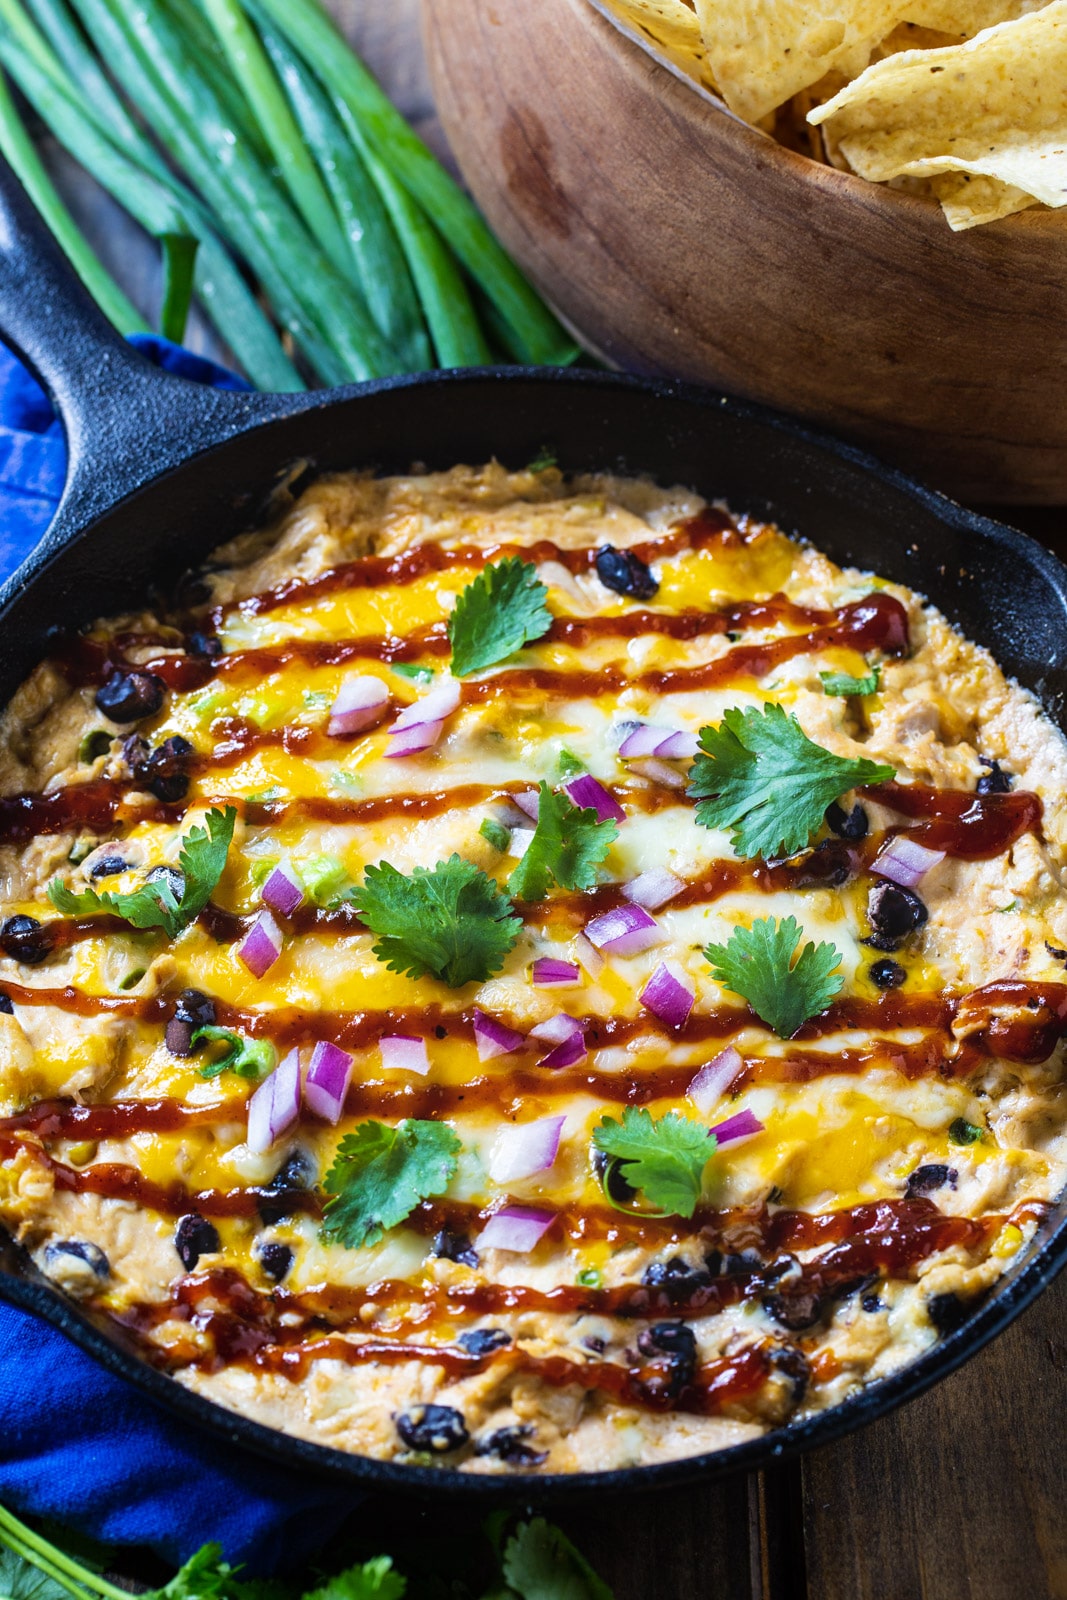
(960, 1496)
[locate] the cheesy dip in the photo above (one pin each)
(532, 975)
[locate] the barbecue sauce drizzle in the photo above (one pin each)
(1017, 1021)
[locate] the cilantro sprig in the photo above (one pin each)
(155, 905)
(784, 987)
(762, 777)
(249, 1058)
(841, 683)
(664, 1157)
(568, 845)
(381, 1173)
(452, 921)
(496, 614)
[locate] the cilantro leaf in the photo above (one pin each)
(154, 905)
(372, 1580)
(452, 921)
(495, 833)
(568, 845)
(960, 1131)
(495, 615)
(380, 1174)
(664, 1157)
(541, 1563)
(249, 1058)
(412, 670)
(841, 683)
(758, 964)
(205, 1576)
(764, 779)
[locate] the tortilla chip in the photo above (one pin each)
(967, 17)
(669, 28)
(762, 52)
(968, 200)
(994, 107)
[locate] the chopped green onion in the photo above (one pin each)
(179, 256)
(495, 833)
(963, 1132)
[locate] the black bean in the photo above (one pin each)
(451, 1246)
(677, 1278)
(129, 696)
(194, 1237)
(109, 867)
(871, 1302)
(794, 1363)
(509, 1445)
(734, 1263)
(173, 877)
(24, 939)
(192, 1005)
(946, 1311)
(286, 1189)
(609, 1171)
(851, 825)
(208, 646)
(828, 866)
(164, 773)
(438, 1429)
(91, 1254)
(887, 974)
(924, 1180)
(995, 781)
(625, 573)
(275, 1259)
(6, 1008)
(794, 1309)
(179, 1038)
(894, 913)
(677, 1342)
(480, 1341)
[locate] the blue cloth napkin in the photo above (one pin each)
(76, 1443)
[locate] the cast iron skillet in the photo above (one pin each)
(162, 471)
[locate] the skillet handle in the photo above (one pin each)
(125, 421)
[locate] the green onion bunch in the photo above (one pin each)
(322, 238)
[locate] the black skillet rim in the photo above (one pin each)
(22, 1286)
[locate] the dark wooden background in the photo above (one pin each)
(962, 1495)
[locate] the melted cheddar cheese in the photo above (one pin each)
(830, 1246)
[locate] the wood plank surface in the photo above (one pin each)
(960, 1496)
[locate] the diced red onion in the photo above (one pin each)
(275, 1105)
(549, 973)
(283, 890)
(261, 945)
(434, 706)
(653, 889)
(517, 1228)
(624, 931)
(521, 1151)
(568, 1038)
(678, 746)
(520, 841)
(589, 956)
(644, 740)
(360, 702)
(493, 1038)
(659, 772)
(668, 997)
(743, 1126)
(404, 1052)
(585, 792)
(327, 1078)
(905, 861)
(530, 802)
(410, 741)
(713, 1080)
(557, 1028)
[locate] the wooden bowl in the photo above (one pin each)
(675, 240)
